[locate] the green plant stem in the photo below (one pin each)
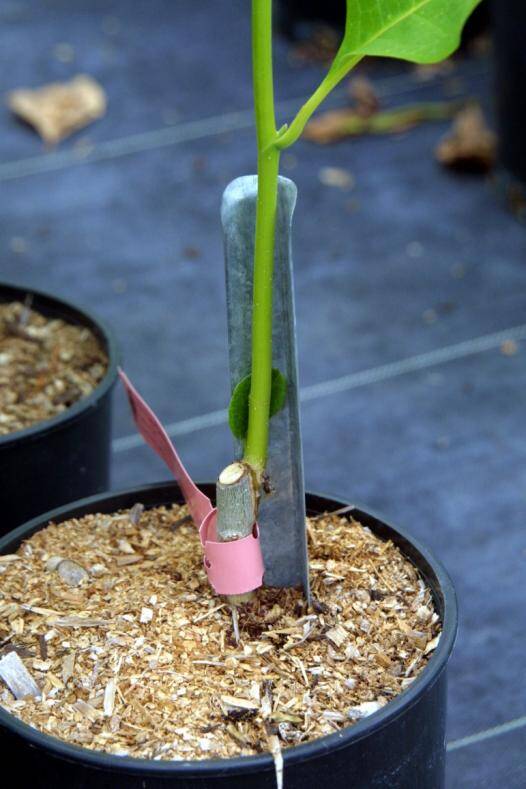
(270, 142)
(336, 73)
(256, 447)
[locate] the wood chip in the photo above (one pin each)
(146, 615)
(78, 621)
(53, 562)
(364, 709)
(98, 569)
(9, 558)
(72, 573)
(87, 710)
(235, 622)
(236, 703)
(109, 697)
(41, 665)
(68, 664)
(125, 547)
(42, 643)
(136, 513)
(267, 700)
(17, 677)
(123, 561)
(337, 635)
(432, 645)
(58, 109)
(332, 715)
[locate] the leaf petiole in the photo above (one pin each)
(339, 69)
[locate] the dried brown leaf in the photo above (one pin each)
(58, 109)
(470, 146)
(362, 92)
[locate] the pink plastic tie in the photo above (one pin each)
(234, 567)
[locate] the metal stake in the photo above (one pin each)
(282, 512)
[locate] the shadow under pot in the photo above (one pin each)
(67, 456)
(401, 746)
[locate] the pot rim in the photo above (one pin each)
(47, 302)
(436, 575)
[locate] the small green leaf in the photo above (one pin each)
(278, 394)
(422, 31)
(238, 408)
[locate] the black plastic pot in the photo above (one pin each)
(400, 747)
(64, 458)
(509, 31)
(293, 16)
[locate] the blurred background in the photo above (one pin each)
(409, 250)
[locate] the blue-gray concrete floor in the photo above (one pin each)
(412, 260)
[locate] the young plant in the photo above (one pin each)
(421, 31)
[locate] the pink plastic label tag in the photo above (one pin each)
(157, 438)
(234, 567)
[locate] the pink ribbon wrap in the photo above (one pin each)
(234, 567)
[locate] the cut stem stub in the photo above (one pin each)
(236, 503)
(236, 509)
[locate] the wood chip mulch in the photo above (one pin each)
(46, 365)
(114, 619)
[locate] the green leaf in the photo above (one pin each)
(238, 408)
(278, 393)
(422, 31)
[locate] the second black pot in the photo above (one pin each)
(402, 746)
(509, 31)
(66, 457)
(292, 15)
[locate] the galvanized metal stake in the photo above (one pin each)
(282, 512)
